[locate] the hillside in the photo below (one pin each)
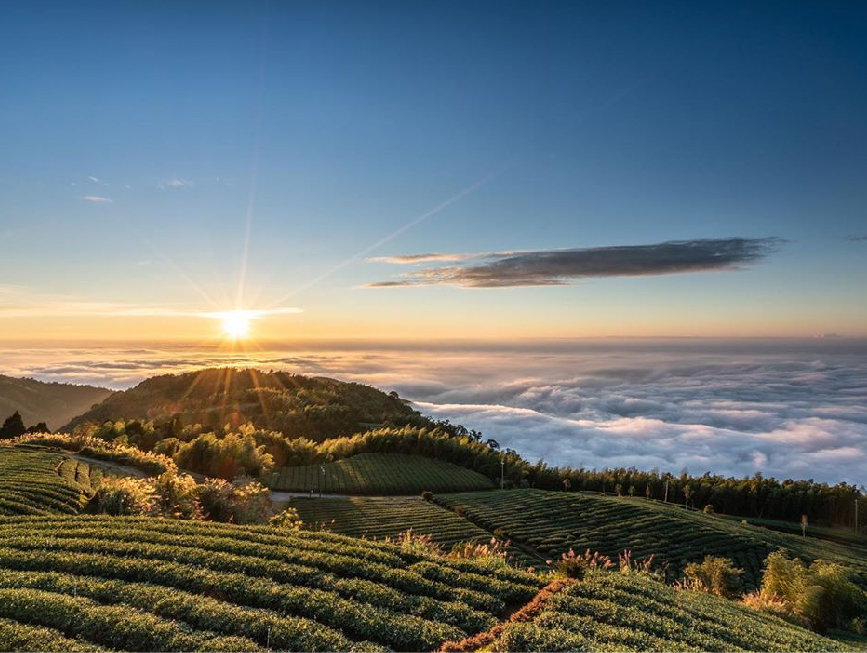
(317, 408)
(610, 611)
(52, 403)
(553, 522)
(41, 482)
(379, 473)
(146, 584)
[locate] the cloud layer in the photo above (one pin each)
(560, 267)
(796, 409)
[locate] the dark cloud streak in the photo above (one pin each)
(560, 267)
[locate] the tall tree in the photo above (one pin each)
(12, 427)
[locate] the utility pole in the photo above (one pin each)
(666, 491)
(502, 474)
(856, 516)
(321, 478)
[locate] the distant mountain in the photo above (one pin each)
(52, 403)
(313, 407)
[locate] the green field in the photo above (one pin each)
(36, 481)
(149, 584)
(611, 611)
(553, 522)
(379, 473)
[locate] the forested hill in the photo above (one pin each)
(52, 403)
(313, 407)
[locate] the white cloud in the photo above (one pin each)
(794, 410)
(98, 198)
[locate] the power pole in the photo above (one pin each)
(856, 516)
(321, 478)
(666, 490)
(502, 474)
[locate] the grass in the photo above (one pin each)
(612, 611)
(36, 481)
(379, 473)
(150, 584)
(834, 534)
(553, 522)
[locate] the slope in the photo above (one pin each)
(313, 407)
(148, 584)
(553, 522)
(52, 403)
(612, 611)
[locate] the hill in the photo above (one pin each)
(146, 584)
(317, 408)
(611, 611)
(553, 522)
(52, 403)
(36, 481)
(379, 473)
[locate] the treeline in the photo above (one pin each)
(13, 427)
(227, 452)
(756, 496)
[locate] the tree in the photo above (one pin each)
(804, 521)
(687, 494)
(42, 427)
(12, 427)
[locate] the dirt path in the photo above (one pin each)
(120, 470)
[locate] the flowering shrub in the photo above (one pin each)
(125, 496)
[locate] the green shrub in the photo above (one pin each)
(288, 520)
(176, 496)
(427, 496)
(714, 575)
(124, 496)
(820, 594)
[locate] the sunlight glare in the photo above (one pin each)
(236, 324)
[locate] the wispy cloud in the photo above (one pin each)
(18, 302)
(857, 237)
(95, 180)
(98, 199)
(561, 267)
(176, 182)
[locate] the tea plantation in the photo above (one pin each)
(152, 584)
(379, 473)
(36, 481)
(380, 517)
(553, 522)
(610, 611)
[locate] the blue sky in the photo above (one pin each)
(333, 125)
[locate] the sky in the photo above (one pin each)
(432, 170)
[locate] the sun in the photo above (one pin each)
(236, 324)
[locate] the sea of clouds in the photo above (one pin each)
(790, 409)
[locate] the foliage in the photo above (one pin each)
(715, 575)
(125, 496)
(144, 584)
(572, 565)
(176, 496)
(427, 495)
(821, 594)
(288, 519)
(12, 427)
(245, 501)
(227, 457)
